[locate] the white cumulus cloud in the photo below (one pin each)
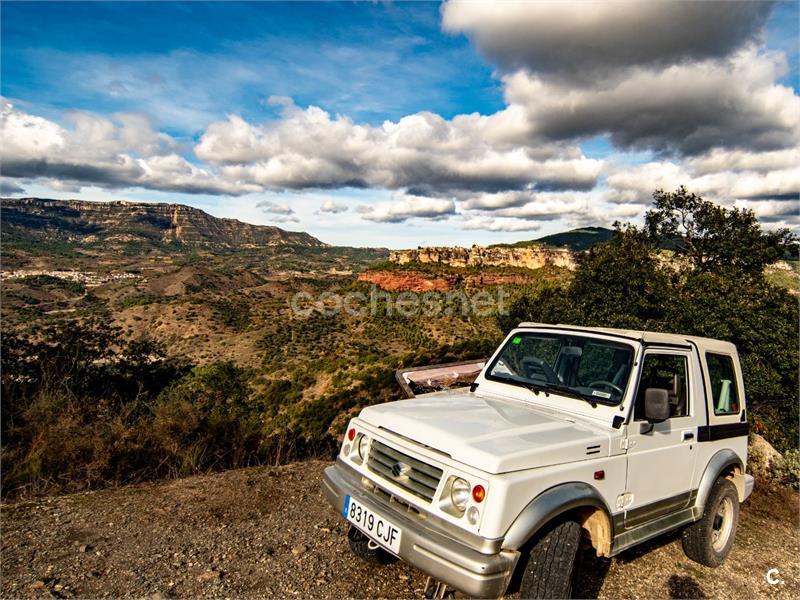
(329, 206)
(95, 150)
(683, 109)
(407, 207)
(493, 224)
(309, 148)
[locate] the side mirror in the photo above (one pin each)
(656, 405)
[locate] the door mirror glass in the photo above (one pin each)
(656, 405)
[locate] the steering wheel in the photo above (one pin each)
(536, 366)
(607, 384)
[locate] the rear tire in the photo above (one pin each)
(709, 540)
(360, 546)
(549, 570)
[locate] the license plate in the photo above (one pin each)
(380, 530)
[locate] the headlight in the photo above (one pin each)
(363, 447)
(459, 493)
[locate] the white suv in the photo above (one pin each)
(608, 435)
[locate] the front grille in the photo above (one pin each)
(414, 476)
(397, 503)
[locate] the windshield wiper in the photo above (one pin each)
(568, 391)
(549, 387)
(528, 385)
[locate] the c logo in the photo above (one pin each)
(773, 577)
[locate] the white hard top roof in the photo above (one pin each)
(646, 337)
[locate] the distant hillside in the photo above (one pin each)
(575, 239)
(131, 222)
(578, 239)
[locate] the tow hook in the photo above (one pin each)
(437, 590)
(372, 545)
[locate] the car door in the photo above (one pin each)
(661, 456)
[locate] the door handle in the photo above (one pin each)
(688, 435)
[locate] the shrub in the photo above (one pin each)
(787, 468)
(232, 313)
(74, 402)
(76, 287)
(205, 420)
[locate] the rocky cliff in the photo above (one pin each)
(87, 222)
(412, 281)
(528, 257)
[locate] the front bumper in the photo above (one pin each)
(427, 547)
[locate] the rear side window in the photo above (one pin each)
(724, 391)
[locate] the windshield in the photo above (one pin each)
(594, 369)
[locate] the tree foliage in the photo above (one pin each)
(714, 238)
(618, 284)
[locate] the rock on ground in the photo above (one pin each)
(761, 457)
(268, 532)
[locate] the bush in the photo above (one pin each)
(137, 300)
(787, 468)
(76, 287)
(206, 421)
(232, 313)
(74, 403)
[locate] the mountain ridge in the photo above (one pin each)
(577, 240)
(121, 221)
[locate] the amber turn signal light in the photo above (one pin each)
(478, 493)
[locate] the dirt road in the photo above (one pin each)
(268, 532)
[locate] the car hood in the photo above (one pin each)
(490, 433)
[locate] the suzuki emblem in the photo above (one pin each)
(399, 469)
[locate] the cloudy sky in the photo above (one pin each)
(405, 124)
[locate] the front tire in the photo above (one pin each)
(709, 540)
(551, 563)
(360, 546)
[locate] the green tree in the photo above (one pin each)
(620, 283)
(714, 238)
(762, 320)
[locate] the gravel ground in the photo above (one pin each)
(268, 532)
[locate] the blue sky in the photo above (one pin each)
(185, 67)
(370, 61)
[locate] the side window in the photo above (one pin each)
(724, 391)
(666, 372)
